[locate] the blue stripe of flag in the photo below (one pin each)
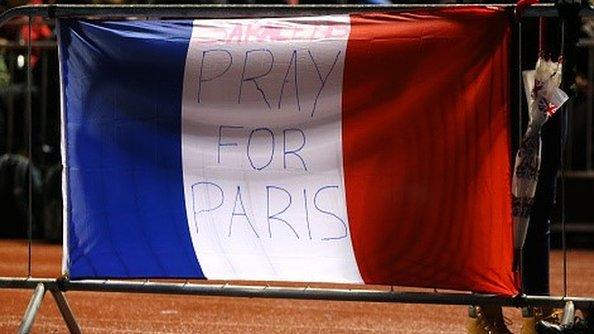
(122, 85)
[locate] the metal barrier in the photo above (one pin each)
(60, 285)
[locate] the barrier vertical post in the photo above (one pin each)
(590, 106)
(29, 125)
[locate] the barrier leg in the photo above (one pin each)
(568, 314)
(32, 308)
(66, 311)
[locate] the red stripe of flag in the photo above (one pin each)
(426, 148)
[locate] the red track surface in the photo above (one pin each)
(134, 313)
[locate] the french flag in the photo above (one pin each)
(363, 148)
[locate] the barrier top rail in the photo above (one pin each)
(238, 11)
